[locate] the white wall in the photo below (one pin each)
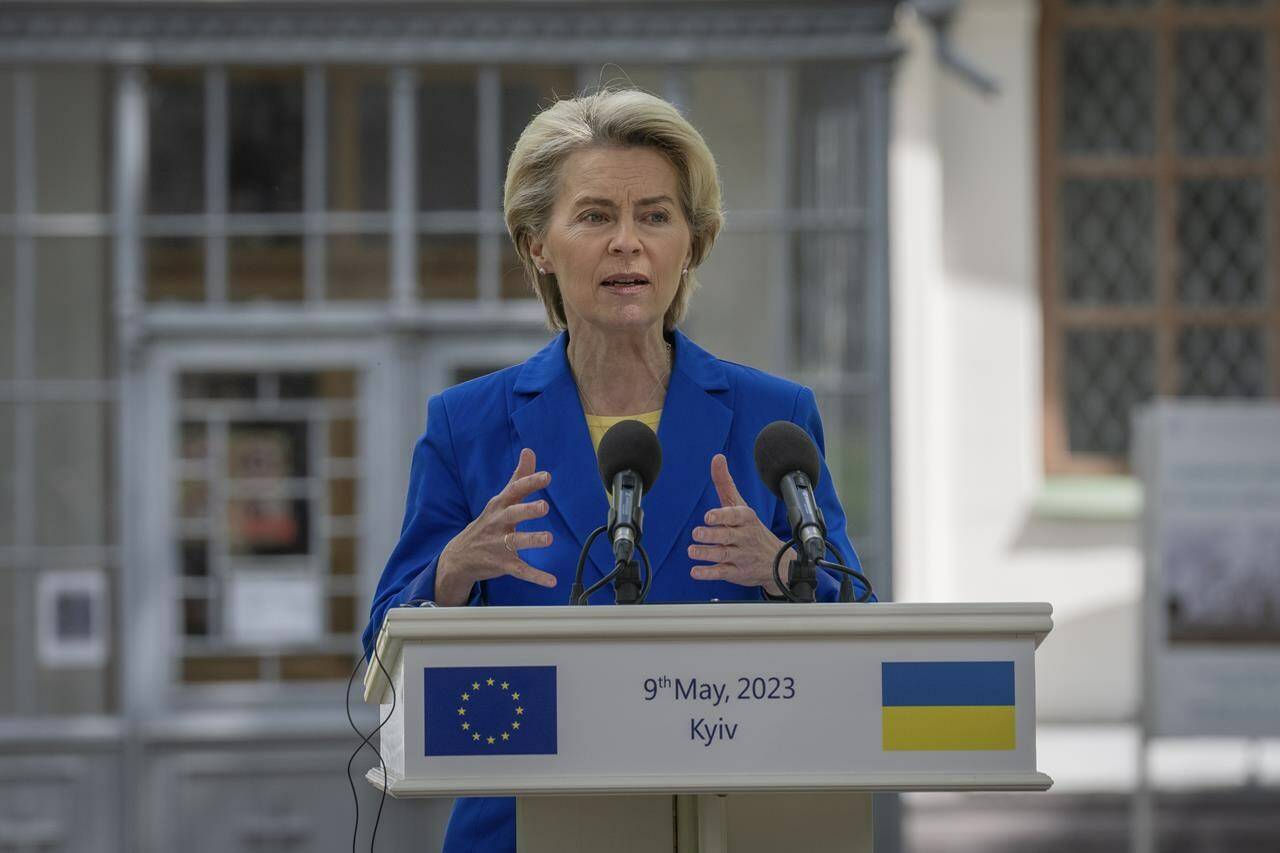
(968, 365)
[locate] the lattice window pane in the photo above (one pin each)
(359, 266)
(1221, 92)
(824, 264)
(1222, 241)
(448, 145)
(1223, 361)
(847, 422)
(1108, 241)
(175, 269)
(176, 142)
(358, 134)
(1107, 373)
(1108, 97)
(265, 269)
(448, 266)
(265, 141)
(529, 90)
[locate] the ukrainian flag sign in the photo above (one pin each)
(947, 705)
(490, 710)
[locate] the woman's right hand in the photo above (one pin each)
(486, 548)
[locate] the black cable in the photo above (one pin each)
(826, 564)
(584, 597)
(846, 582)
(648, 574)
(599, 585)
(575, 592)
(777, 571)
(367, 740)
(848, 573)
(853, 573)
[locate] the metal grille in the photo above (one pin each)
(1108, 92)
(838, 347)
(1222, 241)
(1108, 371)
(1222, 362)
(1160, 172)
(1108, 235)
(1221, 86)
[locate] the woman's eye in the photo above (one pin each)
(659, 216)
(593, 216)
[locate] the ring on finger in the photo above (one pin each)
(506, 540)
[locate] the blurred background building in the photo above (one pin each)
(241, 243)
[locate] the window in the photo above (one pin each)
(266, 525)
(278, 185)
(1159, 165)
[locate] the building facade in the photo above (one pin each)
(240, 245)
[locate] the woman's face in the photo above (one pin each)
(617, 239)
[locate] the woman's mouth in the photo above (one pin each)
(624, 283)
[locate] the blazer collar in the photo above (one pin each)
(552, 362)
(549, 418)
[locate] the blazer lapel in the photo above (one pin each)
(694, 427)
(552, 424)
(547, 415)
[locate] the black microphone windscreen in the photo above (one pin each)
(783, 447)
(630, 445)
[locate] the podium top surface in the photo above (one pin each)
(723, 621)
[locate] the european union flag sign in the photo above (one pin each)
(490, 710)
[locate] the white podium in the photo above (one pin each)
(706, 727)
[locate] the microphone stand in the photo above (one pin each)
(808, 574)
(802, 577)
(626, 573)
(629, 588)
(626, 583)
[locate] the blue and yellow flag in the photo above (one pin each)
(947, 705)
(490, 710)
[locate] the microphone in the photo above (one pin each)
(789, 464)
(630, 458)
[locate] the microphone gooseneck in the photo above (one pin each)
(789, 464)
(630, 458)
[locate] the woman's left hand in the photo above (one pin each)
(734, 539)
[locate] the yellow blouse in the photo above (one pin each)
(598, 425)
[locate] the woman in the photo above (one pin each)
(612, 201)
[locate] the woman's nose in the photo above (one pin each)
(624, 240)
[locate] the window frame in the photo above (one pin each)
(1165, 167)
(157, 663)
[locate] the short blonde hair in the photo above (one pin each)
(610, 117)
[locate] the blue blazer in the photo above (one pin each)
(474, 434)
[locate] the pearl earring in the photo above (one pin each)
(541, 271)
